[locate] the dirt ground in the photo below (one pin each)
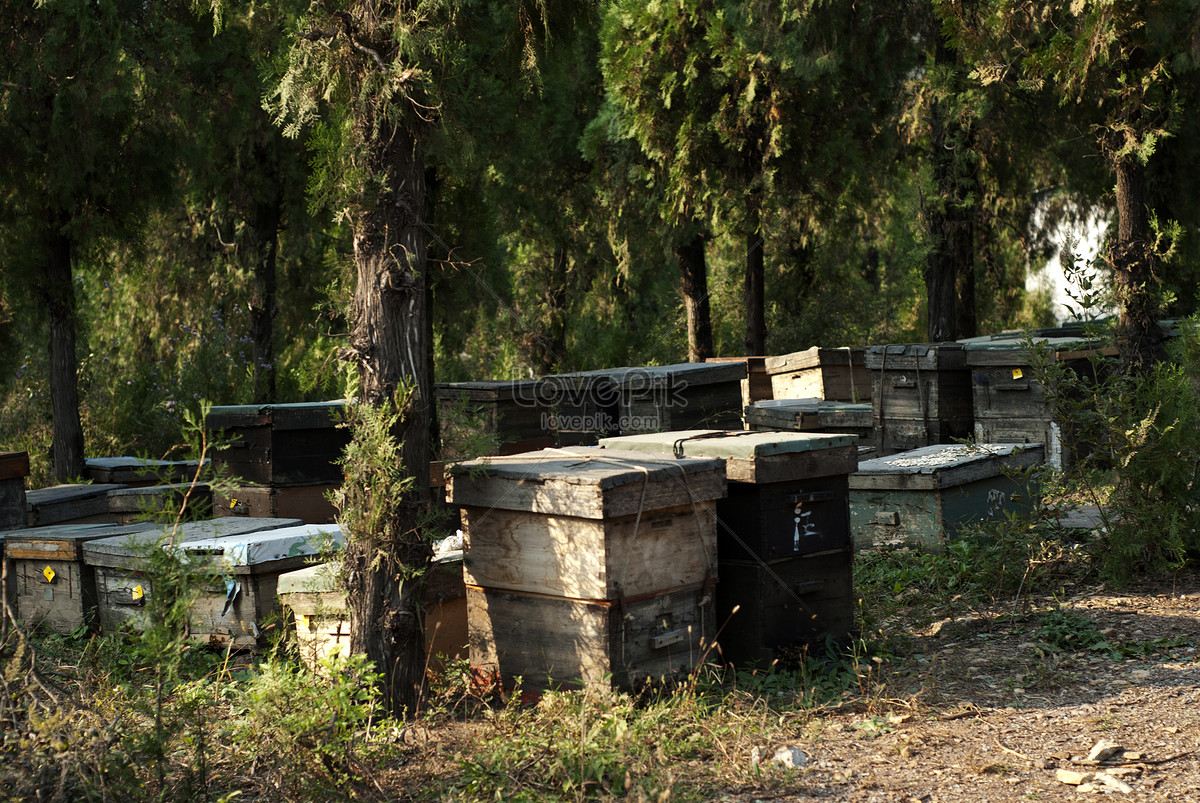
(982, 711)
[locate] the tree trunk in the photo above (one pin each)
(1139, 338)
(553, 346)
(262, 299)
(388, 339)
(58, 293)
(756, 323)
(694, 267)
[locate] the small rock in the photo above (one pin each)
(1085, 788)
(1129, 755)
(1140, 674)
(1114, 783)
(1104, 750)
(1044, 763)
(1071, 777)
(786, 755)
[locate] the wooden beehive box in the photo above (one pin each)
(280, 444)
(515, 414)
(51, 583)
(585, 407)
(834, 374)
(785, 607)
(787, 492)
(243, 600)
(69, 504)
(129, 505)
(756, 385)
(1009, 404)
(308, 503)
(588, 547)
(138, 471)
(116, 563)
(924, 497)
(920, 395)
(14, 468)
(689, 395)
(317, 600)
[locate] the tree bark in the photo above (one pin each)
(388, 339)
(756, 323)
(694, 267)
(552, 345)
(1139, 336)
(58, 292)
(262, 299)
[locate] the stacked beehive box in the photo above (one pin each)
(920, 395)
(513, 415)
(136, 472)
(585, 406)
(833, 374)
(1010, 405)
(815, 415)
(14, 468)
(756, 385)
(116, 562)
(924, 497)
(784, 539)
(588, 565)
(70, 504)
(285, 456)
(663, 398)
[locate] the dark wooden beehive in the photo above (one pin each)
(280, 444)
(513, 414)
(920, 395)
(14, 468)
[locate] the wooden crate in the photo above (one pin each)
(280, 444)
(236, 608)
(74, 504)
(1009, 404)
(834, 374)
(924, 497)
(787, 490)
(52, 585)
(322, 617)
(14, 468)
(784, 607)
(662, 398)
(584, 406)
(550, 641)
(588, 524)
(920, 395)
(309, 503)
(129, 505)
(813, 415)
(514, 413)
(756, 385)
(138, 471)
(115, 563)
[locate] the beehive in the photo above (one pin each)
(756, 385)
(787, 501)
(69, 504)
(514, 414)
(584, 406)
(663, 398)
(280, 444)
(924, 497)
(116, 562)
(129, 505)
(833, 374)
(612, 552)
(920, 395)
(310, 504)
(138, 471)
(51, 583)
(14, 468)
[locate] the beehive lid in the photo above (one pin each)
(117, 550)
(1015, 350)
(135, 500)
(316, 579)
(752, 456)
(522, 391)
(136, 469)
(814, 357)
(678, 375)
(925, 356)
(943, 465)
(587, 482)
(252, 549)
(302, 415)
(62, 541)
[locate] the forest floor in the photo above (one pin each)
(991, 705)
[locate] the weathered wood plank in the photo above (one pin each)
(835, 374)
(590, 558)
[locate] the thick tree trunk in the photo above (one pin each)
(1139, 338)
(388, 339)
(58, 293)
(694, 267)
(262, 299)
(756, 322)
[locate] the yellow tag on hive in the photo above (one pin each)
(1017, 373)
(48, 573)
(138, 593)
(232, 504)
